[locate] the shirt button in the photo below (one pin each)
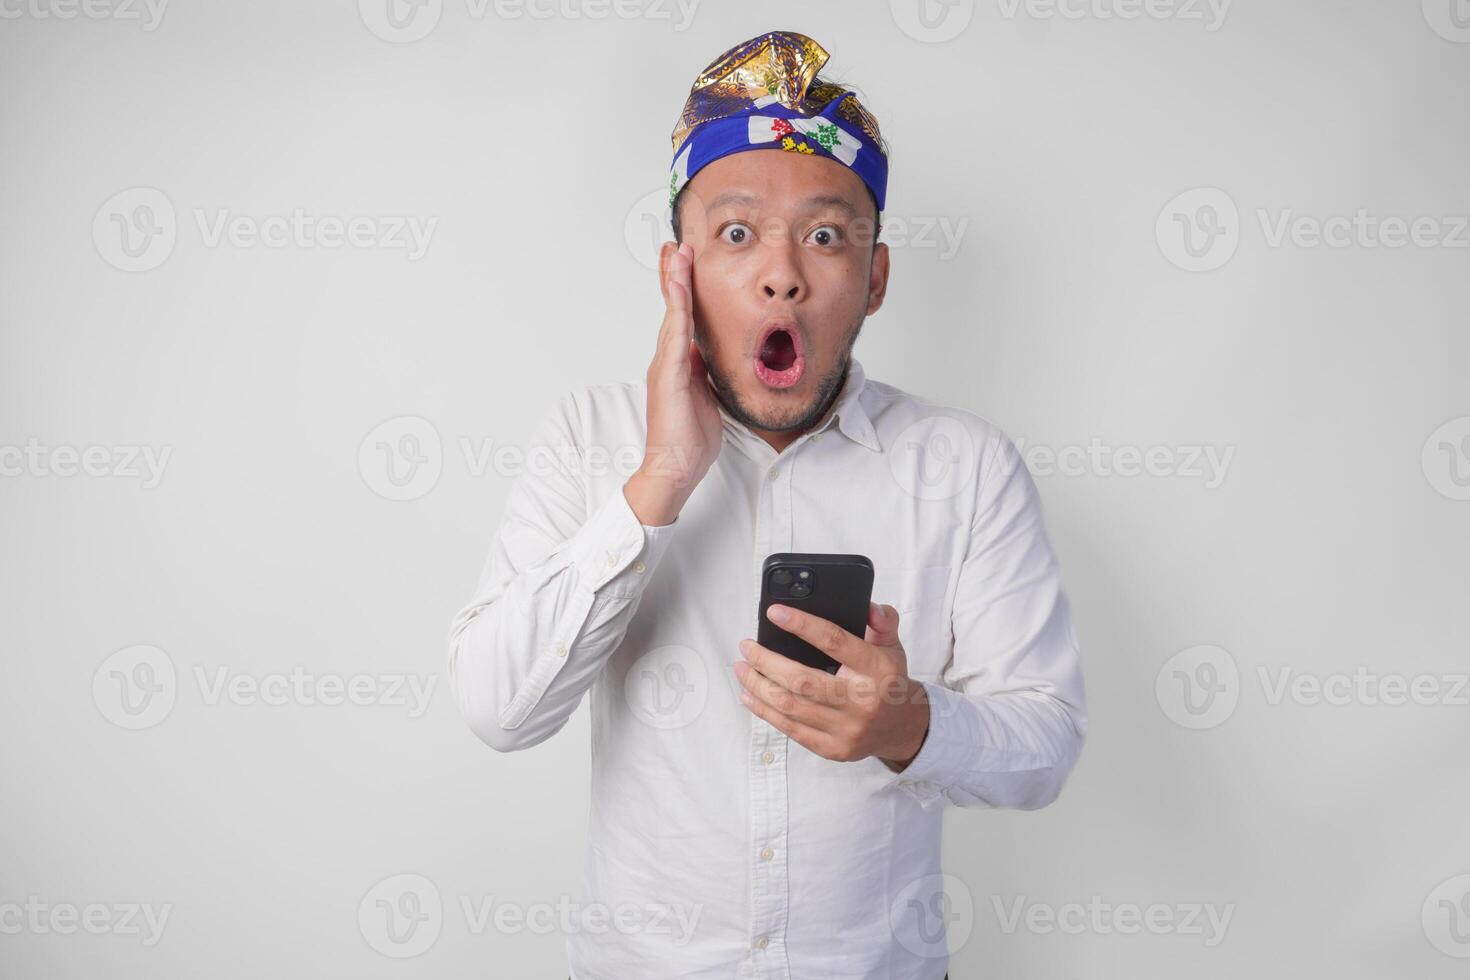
(638, 567)
(761, 943)
(768, 757)
(906, 783)
(612, 557)
(561, 651)
(767, 854)
(773, 473)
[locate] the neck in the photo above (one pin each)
(780, 440)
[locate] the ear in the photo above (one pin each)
(878, 278)
(665, 256)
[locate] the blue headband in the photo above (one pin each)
(756, 97)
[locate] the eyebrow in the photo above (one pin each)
(813, 203)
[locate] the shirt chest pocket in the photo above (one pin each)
(918, 594)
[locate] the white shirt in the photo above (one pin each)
(718, 847)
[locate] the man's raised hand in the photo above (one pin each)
(684, 427)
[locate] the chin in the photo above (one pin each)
(778, 409)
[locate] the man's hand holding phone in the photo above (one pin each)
(870, 707)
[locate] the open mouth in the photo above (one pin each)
(779, 360)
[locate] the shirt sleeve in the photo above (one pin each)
(1008, 716)
(561, 584)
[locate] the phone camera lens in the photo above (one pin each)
(781, 576)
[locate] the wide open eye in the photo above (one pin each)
(827, 236)
(735, 233)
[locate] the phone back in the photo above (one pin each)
(837, 588)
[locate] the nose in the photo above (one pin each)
(790, 293)
(782, 278)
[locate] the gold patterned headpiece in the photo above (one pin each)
(759, 95)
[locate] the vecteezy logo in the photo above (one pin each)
(932, 21)
(400, 21)
(1199, 230)
(136, 687)
(1198, 687)
(932, 915)
(647, 227)
(1450, 19)
(934, 458)
(402, 458)
(135, 230)
(401, 916)
(1446, 458)
(1446, 917)
(667, 687)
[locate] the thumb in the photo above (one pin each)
(882, 625)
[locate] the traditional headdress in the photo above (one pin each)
(758, 96)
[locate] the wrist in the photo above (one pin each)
(655, 501)
(916, 706)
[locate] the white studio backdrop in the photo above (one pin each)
(284, 285)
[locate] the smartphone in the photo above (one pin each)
(834, 587)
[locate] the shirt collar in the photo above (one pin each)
(847, 412)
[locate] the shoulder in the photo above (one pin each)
(607, 414)
(609, 400)
(908, 423)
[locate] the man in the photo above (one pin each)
(753, 817)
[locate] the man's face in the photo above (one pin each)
(785, 271)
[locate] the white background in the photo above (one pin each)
(1055, 141)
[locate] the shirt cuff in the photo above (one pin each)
(947, 750)
(614, 554)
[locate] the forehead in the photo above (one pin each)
(774, 180)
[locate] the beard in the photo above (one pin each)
(794, 419)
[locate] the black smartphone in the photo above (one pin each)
(834, 587)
